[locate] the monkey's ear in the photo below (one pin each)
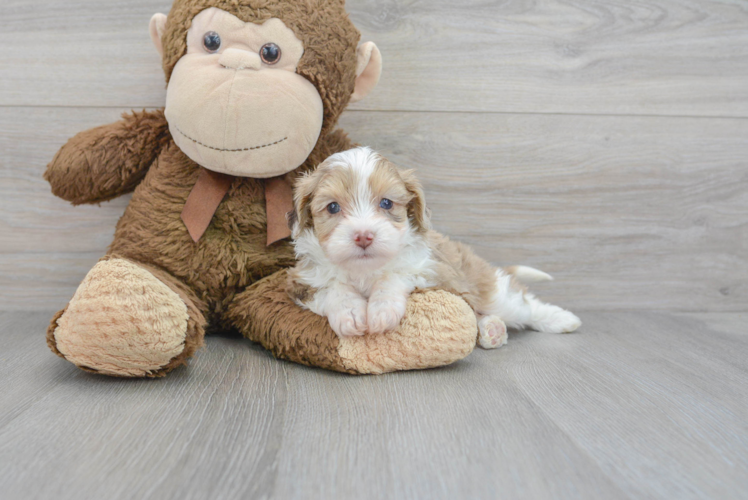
(368, 70)
(158, 25)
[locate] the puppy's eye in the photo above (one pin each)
(386, 204)
(270, 53)
(333, 208)
(212, 41)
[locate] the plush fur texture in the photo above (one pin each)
(363, 246)
(230, 279)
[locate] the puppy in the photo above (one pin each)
(363, 244)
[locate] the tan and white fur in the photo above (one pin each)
(363, 244)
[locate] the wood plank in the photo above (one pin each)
(29, 139)
(730, 324)
(635, 405)
(626, 213)
(636, 392)
(452, 433)
(672, 57)
(27, 371)
(93, 427)
(682, 380)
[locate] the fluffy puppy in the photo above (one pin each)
(363, 243)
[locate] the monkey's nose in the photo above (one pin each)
(240, 59)
(364, 239)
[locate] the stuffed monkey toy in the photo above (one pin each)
(254, 91)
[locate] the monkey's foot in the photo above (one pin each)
(124, 321)
(491, 332)
(438, 329)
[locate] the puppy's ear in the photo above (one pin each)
(292, 219)
(301, 217)
(417, 211)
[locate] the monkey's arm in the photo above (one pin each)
(108, 161)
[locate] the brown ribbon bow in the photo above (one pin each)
(211, 188)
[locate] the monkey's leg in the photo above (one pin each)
(438, 329)
(128, 320)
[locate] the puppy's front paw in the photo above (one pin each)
(350, 319)
(385, 315)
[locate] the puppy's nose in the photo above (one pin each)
(364, 239)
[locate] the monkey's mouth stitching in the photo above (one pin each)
(231, 150)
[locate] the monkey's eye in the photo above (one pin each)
(270, 53)
(386, 204)
(333, 208)
(212, 41)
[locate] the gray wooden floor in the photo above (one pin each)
(605, 142)
(636, 405)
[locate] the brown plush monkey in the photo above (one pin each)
(255, 88)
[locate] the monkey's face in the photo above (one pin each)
(235, 103)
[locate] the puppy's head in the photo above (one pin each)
(360, 208)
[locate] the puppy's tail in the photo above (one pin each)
(528, 275)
